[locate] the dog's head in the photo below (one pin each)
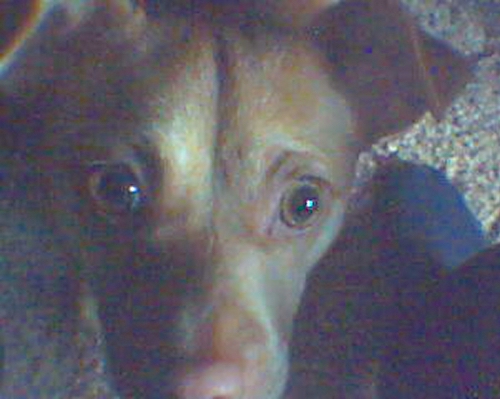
(198, 159)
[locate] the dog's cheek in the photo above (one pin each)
(176, 326)
(249, 333)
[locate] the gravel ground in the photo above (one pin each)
(465, 144)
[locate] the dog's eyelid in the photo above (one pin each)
(94, 165)
(295, 165)
(138, 166)
(139, 158)
(291, 176)
(298, 206)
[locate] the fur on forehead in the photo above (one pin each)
(124, 57)
(119, 30)
(392, 71)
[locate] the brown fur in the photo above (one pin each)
(217, 111)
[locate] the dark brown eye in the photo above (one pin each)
(116, 189)
(301, 204)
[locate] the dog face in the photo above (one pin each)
(198, 162)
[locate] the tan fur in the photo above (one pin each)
(216, 120)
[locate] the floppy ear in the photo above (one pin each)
(25, 23)
(392, 71)
(17, 17)
(50, 51)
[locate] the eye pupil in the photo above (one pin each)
(300, 205)
(116, 189)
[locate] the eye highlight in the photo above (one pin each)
(116, 189)
(302, 203)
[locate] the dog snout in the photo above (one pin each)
(215, 380)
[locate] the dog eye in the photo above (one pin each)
(116, 189)
(302, 204)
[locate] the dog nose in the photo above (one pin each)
(212, 381)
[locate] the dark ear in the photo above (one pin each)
(392, 71)
(16, 19)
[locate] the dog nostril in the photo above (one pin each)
(213, 381)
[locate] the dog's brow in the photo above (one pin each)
(277, 164)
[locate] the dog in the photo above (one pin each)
(196, 158)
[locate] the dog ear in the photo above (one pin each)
(35, 57)
(392, 70)
(22, 20)
(17, 18)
